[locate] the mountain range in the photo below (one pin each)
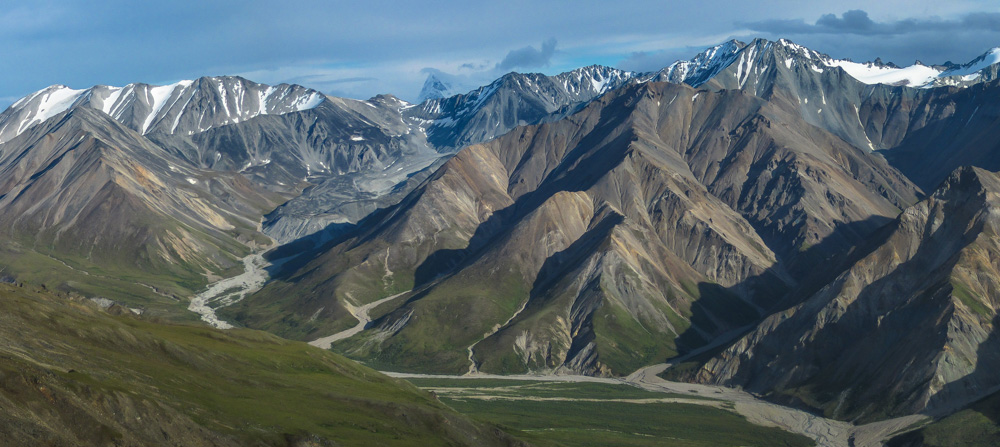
(817, 231)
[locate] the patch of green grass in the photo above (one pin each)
(72, 274)
(544, 389)
(445, 321)
(604, 422)
(976, 426)
(963, 293)
(625, 344)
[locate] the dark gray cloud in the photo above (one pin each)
(856, 21)
(473, 66)
(529, 57)
(855, 35)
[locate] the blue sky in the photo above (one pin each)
(359, 49)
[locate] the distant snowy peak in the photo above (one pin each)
(593, 80)
(918, 75)
(702, 67)
(512, 100)
(438, 86)
(746, 58)
(981, 69)
(185, 107)
(876, 72)
(36, 108)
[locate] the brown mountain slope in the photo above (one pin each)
(99, 196)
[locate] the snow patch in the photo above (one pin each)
(53, 101)
(913, 76)
(308, 102)
(157, 97)
(973, 68)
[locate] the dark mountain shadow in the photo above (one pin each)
(819, 264)
(988, 407)
(571, 258)
(811, 270)
(716, 311)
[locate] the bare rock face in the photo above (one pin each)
(938, 130)
(908, 327)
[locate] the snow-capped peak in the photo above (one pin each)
(592, 79)
(972, 71)
(703, 66)
(169, 108)
(709, 63)
(439, 85)
(43, 104)
(916, 75)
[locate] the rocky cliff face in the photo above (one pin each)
(906, 328)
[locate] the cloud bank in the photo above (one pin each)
(529, 57)
(856, 21)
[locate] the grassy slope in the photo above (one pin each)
(161, 293)
(978, 425)
(602, 419)
(71, 374)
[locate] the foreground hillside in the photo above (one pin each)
(73, 374)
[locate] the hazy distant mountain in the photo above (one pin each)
(440, 85)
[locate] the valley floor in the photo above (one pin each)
(824, 432)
